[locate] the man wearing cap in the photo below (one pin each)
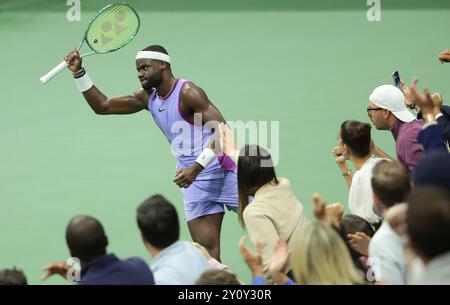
(187, 119)
(387, 111)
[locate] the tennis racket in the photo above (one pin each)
(111, 29)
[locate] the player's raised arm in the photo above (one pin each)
(96, 99)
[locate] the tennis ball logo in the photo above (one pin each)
(111, 29)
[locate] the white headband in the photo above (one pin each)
(153, 55)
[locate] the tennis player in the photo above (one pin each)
(188, 119)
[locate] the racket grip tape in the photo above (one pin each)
(53, 72)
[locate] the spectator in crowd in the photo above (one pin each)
(387, 111)
(319, 255)
(12, 277)
(434, 167)
(353, 227)
(428, 222)
(391, 186)
(274, 211)
(354, 144)
(87, 242)
(326, 215)
(175, 262)
(218, 277)
(435, 134)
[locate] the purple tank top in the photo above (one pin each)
(186, 140)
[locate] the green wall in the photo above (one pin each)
(308, 64)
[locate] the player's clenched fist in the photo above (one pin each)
(74, 61)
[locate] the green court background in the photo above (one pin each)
(307, 64)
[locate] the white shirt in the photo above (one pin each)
(179, 264)
(387, 256)
(437, 272)
(360, 197)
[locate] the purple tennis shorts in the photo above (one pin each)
(206, 197)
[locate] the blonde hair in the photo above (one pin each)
(320, 256)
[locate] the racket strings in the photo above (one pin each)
(112, 29)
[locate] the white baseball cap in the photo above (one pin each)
(391, 98)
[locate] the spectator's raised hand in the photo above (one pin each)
(331, 214)
(334, 212)
(339, 155)
(437, 101)
(60, 268)
(444, 56)
(319, 204)
(427, 104)
(409, 97)
(278, 261)
(227, 141)
(253, 259)
(359, 242)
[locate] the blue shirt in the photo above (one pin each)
(179, 264)
(109, 270)
(260, 280)
(431, 138)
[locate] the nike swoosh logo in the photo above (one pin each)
(161, 110)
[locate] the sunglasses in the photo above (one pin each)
(373, 109)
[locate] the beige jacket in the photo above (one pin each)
(274, 212)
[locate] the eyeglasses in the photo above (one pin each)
(373, 109)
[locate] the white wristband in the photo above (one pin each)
(205, 157)
(84, 83)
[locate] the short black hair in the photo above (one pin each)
(156, 48)
(217, 277)
(255, 168)
(390, 182)
(356, 135)
(157, 219)
(86, 238)
(12, 277)
(428, 220)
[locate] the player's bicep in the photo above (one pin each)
(126, 104)
(196, 99)
(212, 114)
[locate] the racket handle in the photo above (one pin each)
(53, 72)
